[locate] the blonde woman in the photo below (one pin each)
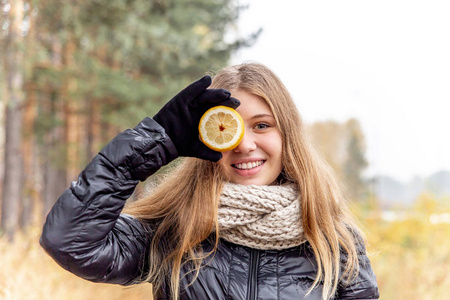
(265, 220)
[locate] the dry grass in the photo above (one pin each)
(29, 273)
(411, 257)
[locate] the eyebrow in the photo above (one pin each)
(261, 116)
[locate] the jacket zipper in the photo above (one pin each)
(253, 275)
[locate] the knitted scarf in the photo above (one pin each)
(261, 217)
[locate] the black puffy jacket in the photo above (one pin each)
(86, 234)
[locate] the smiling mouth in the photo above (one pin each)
(249, 165)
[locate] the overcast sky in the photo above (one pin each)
(385, 63)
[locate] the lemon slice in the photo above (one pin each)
(221, 128)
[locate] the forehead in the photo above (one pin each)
(251, 104)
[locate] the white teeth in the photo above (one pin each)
(249, 165)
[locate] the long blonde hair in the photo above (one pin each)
(185, 204)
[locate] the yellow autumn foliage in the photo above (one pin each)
(410, 250)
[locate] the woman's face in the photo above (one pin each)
(257, 159)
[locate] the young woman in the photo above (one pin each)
(265, 220)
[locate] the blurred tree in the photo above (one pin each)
(355, 162)
(94, 68)
(330, 140)
(12, 61)
(342, 146)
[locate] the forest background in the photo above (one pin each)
(74, 75)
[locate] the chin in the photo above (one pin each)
(253, 181)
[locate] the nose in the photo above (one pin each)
(247, 144)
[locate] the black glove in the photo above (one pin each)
(181, 115)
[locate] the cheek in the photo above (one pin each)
(276, 151)
(275, 145)
(279, 159)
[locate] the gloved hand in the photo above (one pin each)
(181, 115)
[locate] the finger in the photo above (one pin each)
(231, 102)
(211, 97)
(196, 88)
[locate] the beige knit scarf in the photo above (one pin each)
(261, 217)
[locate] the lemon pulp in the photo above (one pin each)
(221, 128)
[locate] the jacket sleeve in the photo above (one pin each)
(85, 231)
(364, 286)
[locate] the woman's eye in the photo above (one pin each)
(262, 126)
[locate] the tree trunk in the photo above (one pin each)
(12, 184)
(30, 197)
(3, 95)
(94, 138)
(54, 160)
(31, 201)
(72, 114)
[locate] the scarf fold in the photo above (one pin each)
(261, 217)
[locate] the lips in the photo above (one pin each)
(248, 165)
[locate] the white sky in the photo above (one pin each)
(385, 63)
